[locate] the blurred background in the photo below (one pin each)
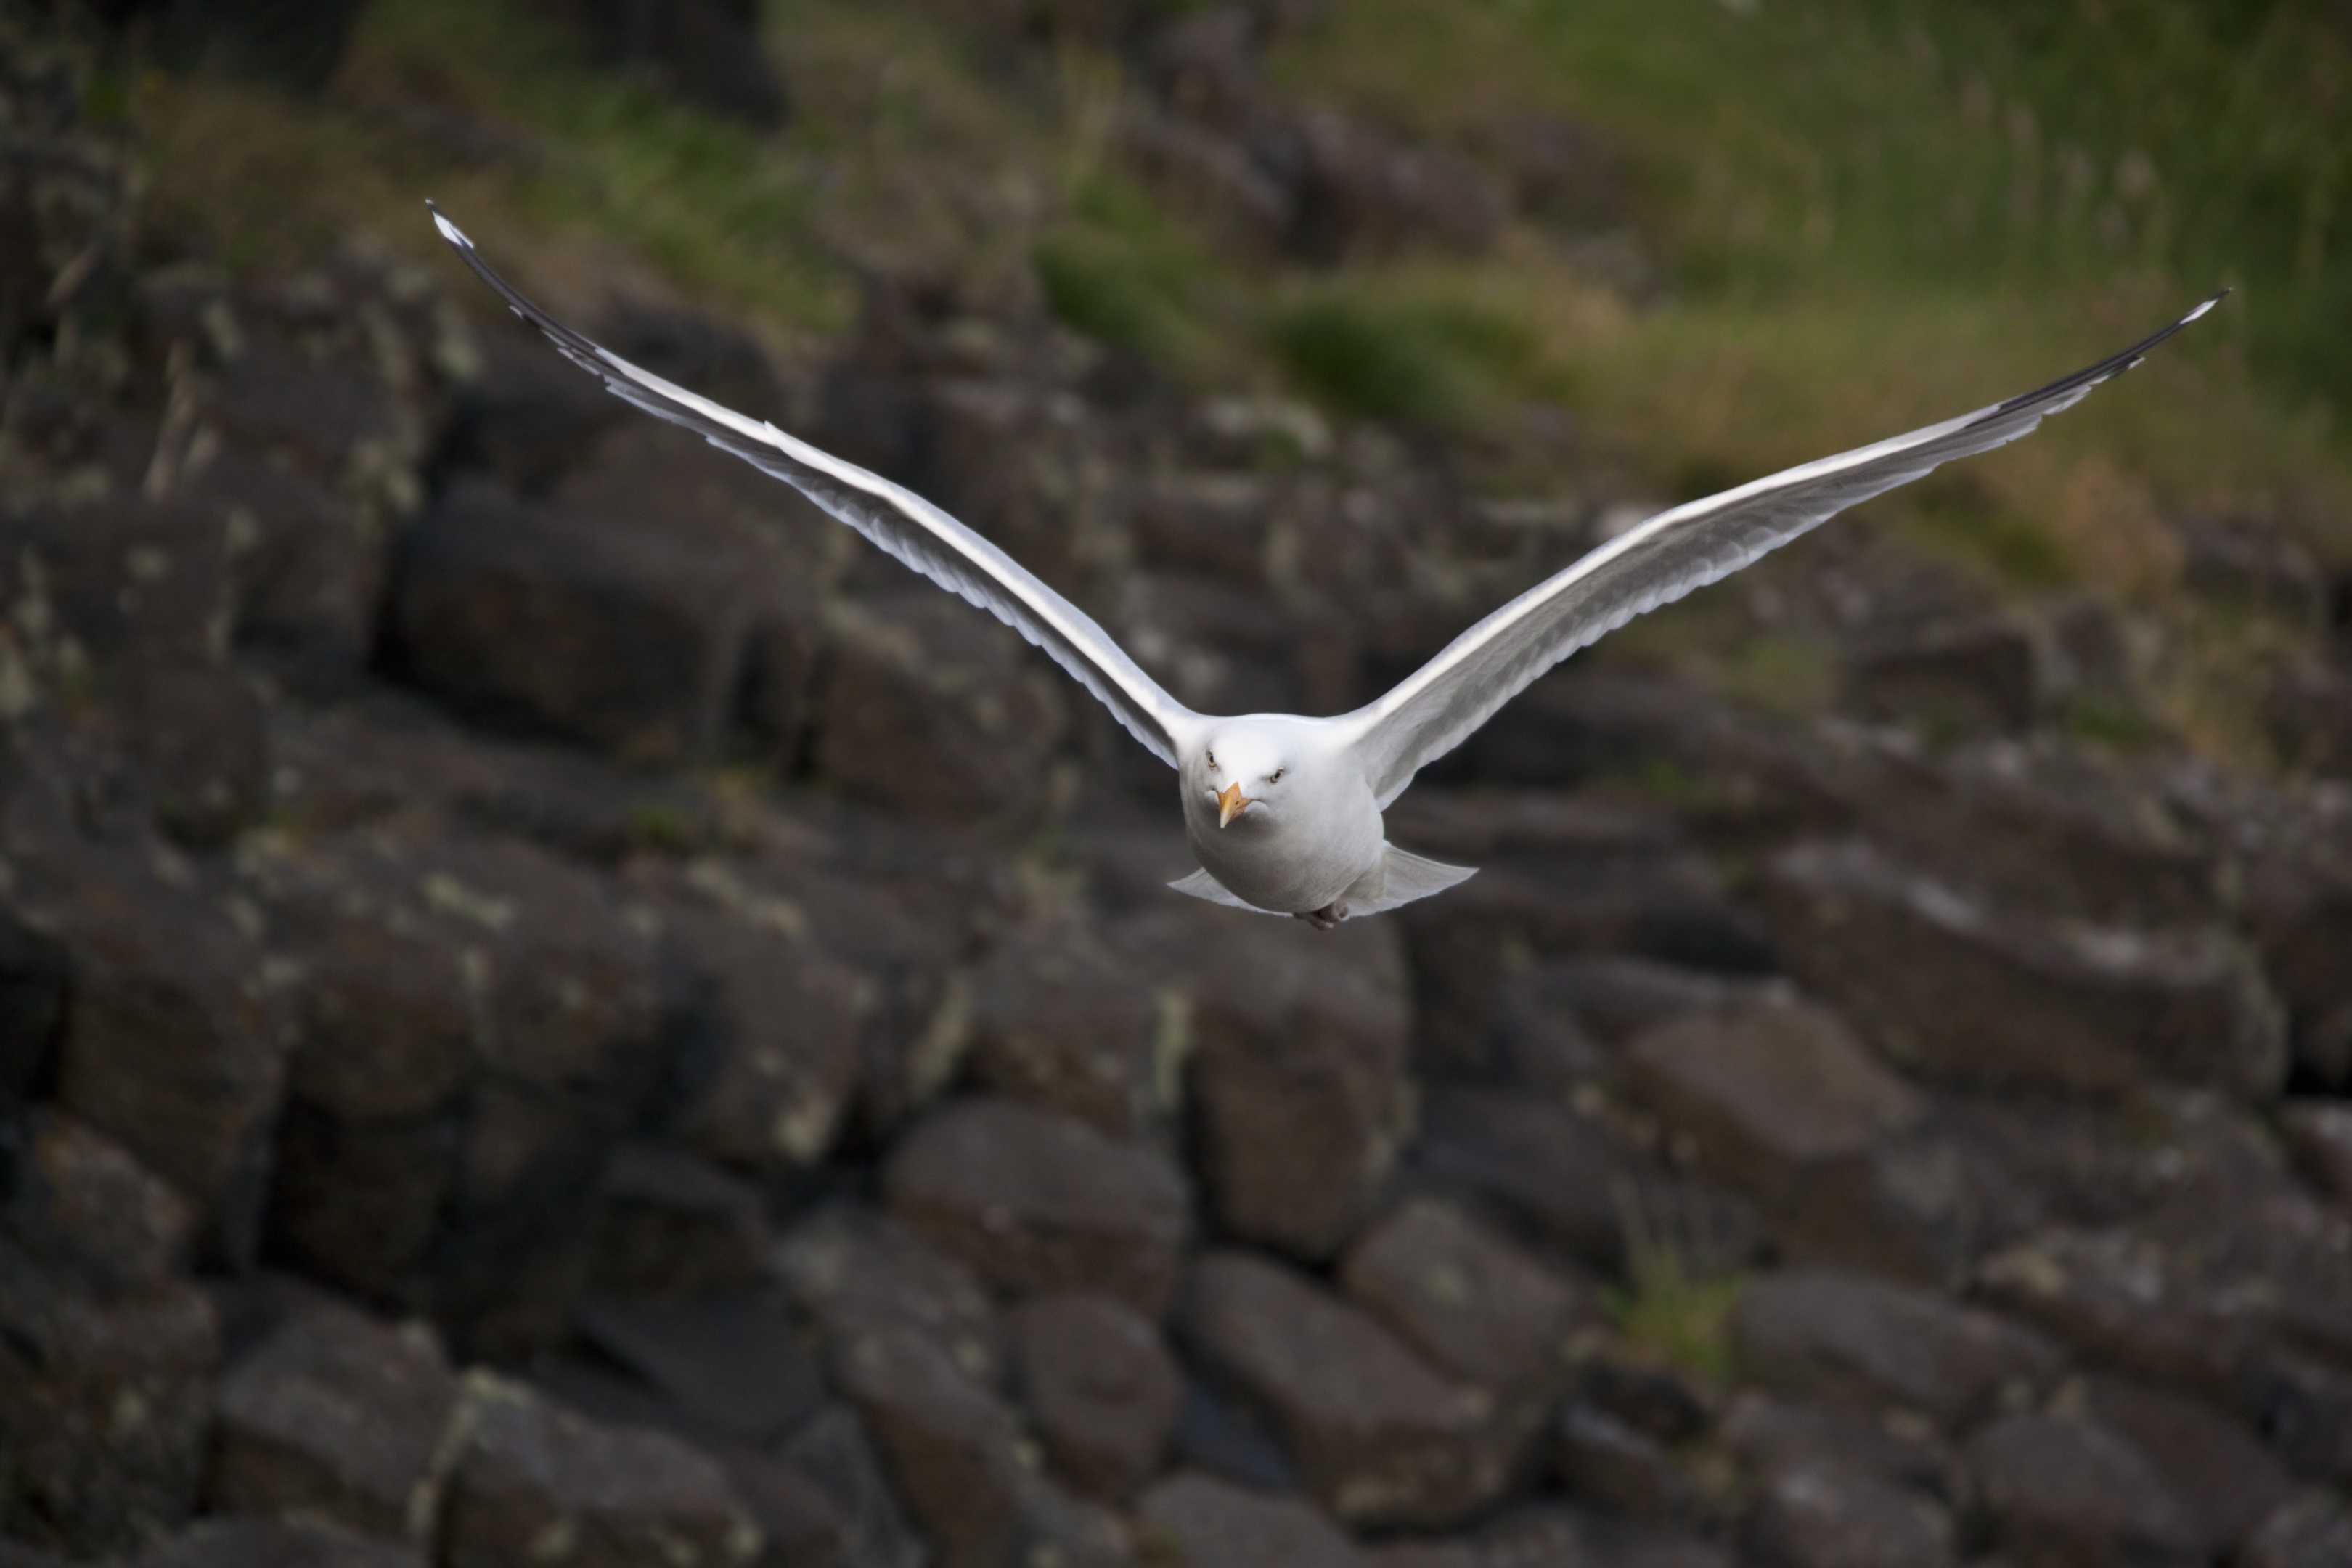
(545, 1017)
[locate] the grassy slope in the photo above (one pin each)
(1865, 214)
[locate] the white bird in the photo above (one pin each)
(1283, 812)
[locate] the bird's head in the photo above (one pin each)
(1245, 768)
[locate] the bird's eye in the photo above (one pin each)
(1212, 759)
(1276, 776)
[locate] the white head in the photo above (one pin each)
(1247, 767)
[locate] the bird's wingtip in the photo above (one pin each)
(449, 231)
(2206, 306)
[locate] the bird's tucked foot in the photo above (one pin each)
(1325, 918)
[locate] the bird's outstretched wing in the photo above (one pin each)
(1443, 702)
(909, 528)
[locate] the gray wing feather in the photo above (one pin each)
(1444, 703)
(908, 528)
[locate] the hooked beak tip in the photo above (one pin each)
(1230, 802)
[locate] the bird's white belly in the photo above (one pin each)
(1293, 865)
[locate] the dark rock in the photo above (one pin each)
(335, 1419)
(531, 1475)
(1213, 1436)
(1954, 988)
(1098, 1387)
(527, 413)
(307, 565)
(2312, 1532)
(1832, 1517)
(1297, 1073)
(1655, 1400)
(170, 1042)
(2216, 1472)
(1053, 510)
(109, 1406)
(203, 752)
(955, 1450)
(837, 1455)
(2299, 905)
(1210, 1521)
(1617, 997)
(856, 1273)
(769, 1063)
(1217, 647)
(799, 1525)
(1475, 1305)
(1033, 1202)
(572, 623)
(1061, 1021)
(731, 1364)
(1954, 681)
(1601, 1459)
(1545, 1536)
(1849, 1339)
(1568, 1178)
(1770, 1436)
(1556, 878)
(33, 969)
(671, 1226)
(2063, 1491)
(2304, 1409)
(2319, 1134)
(269, 1544)
(81, 1204)
(1376, 1436)
(926, 706)
(1783, 1105)
(2121, 1299)
(1426, 1555)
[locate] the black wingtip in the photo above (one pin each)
(2109, 368)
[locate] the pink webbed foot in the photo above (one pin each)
(1325, 918)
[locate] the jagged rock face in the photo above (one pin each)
(542, 1020)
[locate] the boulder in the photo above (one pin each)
(956, 1452)
(1035, 1202)
(925, 705)
(1953, 988)
(1783, 1105)
(1476, 1305)
(767, 1062)
(2218, 1474)
(668, 1224)
(731, 1368)
(1061, 1021)
(172, 1041)
(81, 1204)
(2319, 1134)
(337, 1419)
(856, 1273)
(2060, 1491)
(1297, 1071)
(535, 1480)
(1815, 1333)
(109, 1406)
(1098, 1387)
(570, 624)
(2123, 1300)
(1210, 1521)
(1602, 1460)
(2311, 1531)
(1832, 1517)
(1955, 679)
(1378, 1436)
(270, 1543)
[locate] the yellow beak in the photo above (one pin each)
(1230, 801)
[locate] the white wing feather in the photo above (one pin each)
(910, 529)
(1444, 703)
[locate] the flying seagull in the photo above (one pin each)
(1283, 812)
